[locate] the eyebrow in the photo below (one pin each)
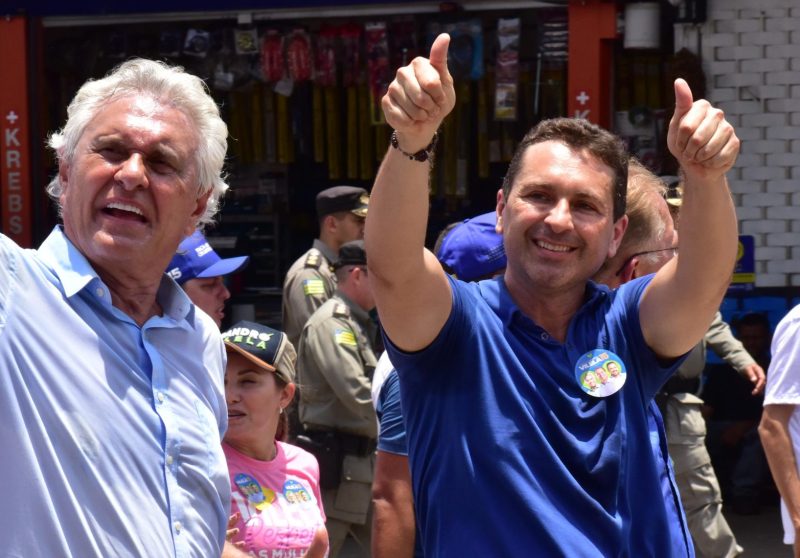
(160, 150)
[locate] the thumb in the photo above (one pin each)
(683, 98)
(438, 56)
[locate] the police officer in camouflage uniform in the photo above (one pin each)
(335, 365)
(310, 280)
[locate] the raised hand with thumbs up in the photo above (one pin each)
(420, 97)
(699, 137)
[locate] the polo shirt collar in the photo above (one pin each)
(495, 293)
(75, 273)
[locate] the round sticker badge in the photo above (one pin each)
(251, 490)
(600, 373)
(295, 493)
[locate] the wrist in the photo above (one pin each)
(414, 148)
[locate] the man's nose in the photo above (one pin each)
(560, 216)
(132, 172)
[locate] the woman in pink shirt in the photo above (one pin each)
(274, 485)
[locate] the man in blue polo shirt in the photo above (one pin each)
(112, 404)
(526, 397)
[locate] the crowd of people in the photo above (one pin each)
(527, 387)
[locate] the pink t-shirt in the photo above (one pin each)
(279, 501)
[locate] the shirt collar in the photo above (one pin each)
(75, 273)
(495, 293)
(360, 315)
(329, 254)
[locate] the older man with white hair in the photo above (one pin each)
(111, 394)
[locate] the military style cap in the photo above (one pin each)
(343, 198)
(473, 249)
(351, 253)
(196, 258)
(265, 347)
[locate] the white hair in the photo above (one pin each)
(170, 85)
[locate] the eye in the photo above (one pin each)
(111, 153)
(585, 206)
(161, 166)
(538, 196)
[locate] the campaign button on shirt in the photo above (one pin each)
(600, 373)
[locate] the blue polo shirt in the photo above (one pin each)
(509, 456)
(109, 432)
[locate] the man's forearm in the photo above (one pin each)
(398, 216)
(392, 530)
(777, 443)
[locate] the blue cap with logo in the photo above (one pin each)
(195, 258)
(473, 249)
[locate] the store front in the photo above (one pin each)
(299, 84)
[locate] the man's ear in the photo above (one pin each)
(63, 177)
(328, 223)
(198, 212)
(501, 205)
(629, 271)
(620, 226)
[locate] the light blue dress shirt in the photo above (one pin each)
(109, 432)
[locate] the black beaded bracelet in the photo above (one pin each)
(421, 155)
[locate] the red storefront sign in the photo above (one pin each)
(15, 172)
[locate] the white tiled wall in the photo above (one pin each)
(751, 57)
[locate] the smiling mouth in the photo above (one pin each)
(553, 247)
(124, 211)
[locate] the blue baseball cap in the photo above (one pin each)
(473, 249)
(196, 258)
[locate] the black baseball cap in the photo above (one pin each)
(264, 346)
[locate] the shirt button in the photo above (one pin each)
(160, 397)
(545, 336)
(178, 526)
(100, 292)
(169, 460)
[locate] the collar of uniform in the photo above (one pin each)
(358, 313)
(329, 254)
(75, 273)
(495, 293)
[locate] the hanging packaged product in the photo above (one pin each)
(351, 39)
(403, 35)
(197, 43)
(298, 55)
(507, 72)
(272, 65)
(377, 48)
(246, 41)
(465, 55)
(350, 36)
(325, 57)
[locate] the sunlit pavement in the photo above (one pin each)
(761, 535)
